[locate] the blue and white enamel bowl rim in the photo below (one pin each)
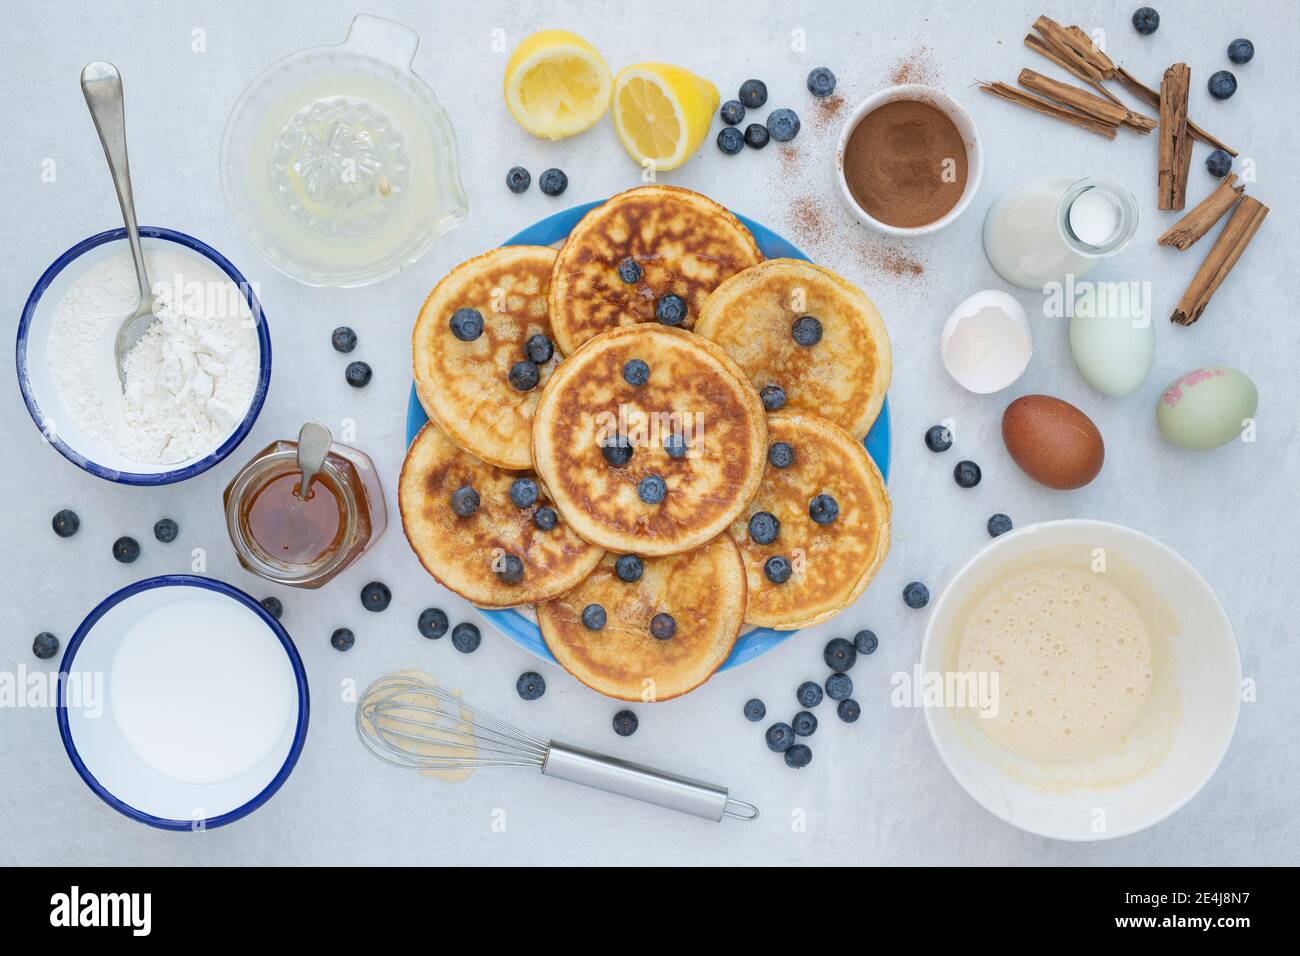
(27, 348)
(751, 644)
(267, 790)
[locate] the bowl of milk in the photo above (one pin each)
(182, 704)
(1080, 679)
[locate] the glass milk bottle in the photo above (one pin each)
(1045, 229)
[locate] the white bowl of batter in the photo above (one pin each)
(1090, 679)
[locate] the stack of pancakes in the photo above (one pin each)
(641, 435)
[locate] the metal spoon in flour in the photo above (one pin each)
(314, 441)
(102, 86)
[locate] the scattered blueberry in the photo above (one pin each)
(545, 519)
(675, 445)
(523, 492)
(357, 374)
(531, 685)
(798, 756)
(629, 568)
(539, 349)
(998, 524)
(732, 112)
(966, 474)
(780, 455)
(938, 438)
(779, 737)
(594, 617)
(126, 549)
(755, 710)
(635, 372)
(625, 723)
(821, 82)
(865, 642)
(809, 694)
(753, 94)
(773, 397)
(464, 501)
(763, 527)
(1241, 51)
(804, 724)
(342, 639)
(518, 179)
(807, 331)
(1145, 20)
(272, 606)
(465, 638)
(840, 655)
(849, 710)
(375, 596)
(433, 623)
(45, 646)
(670, 309)
(617, 451)
(467, 324)
(166, 530)
(65, 523)
(756, 136)
(510, 569)
(629, 270)
(651, 489)
(523, 376)
(553, 181)
(839, 687)
(778, 569)
(343, 339)
(783, 124)
(662, 626)
(731, 140)
(1222, 85)
(824, 509)
(916, 595)
(1219, 163)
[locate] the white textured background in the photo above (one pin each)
(876, 792)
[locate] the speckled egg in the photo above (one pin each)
(1207, 407)
(1052, 441)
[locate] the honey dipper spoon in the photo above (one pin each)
(314, 441)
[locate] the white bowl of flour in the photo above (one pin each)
(194, 384)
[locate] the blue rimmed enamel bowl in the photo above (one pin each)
(41, 395)
(521, 627)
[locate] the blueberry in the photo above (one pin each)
(938, 438)
(531, 685)
(617, 451)
(821, 82)
(809, 694)
(65, 523)
(1222, 85)
(756, 136)
(840, 655)
(670, 309)
(839, 687)
(675, 445)
(465, 638)
(272, 606)
(357, 374)
(126, 549)
(635, 372)
(779, 737)
(998, 524)
(663, 627)
(753, 93)
(1241, 50)
(594, 617)
(343, 339)
(467, 324)
(807, 331)
(916, 595)
(523, 492)
(1145, 20)
(780, 455)
(45, 646)
(464, 501)
(732, 112)
(731, 140)
(755, 710)
(166, 530)
(865, 642)
(518, 179)
(510, 569)
(629, 270)
(538, 349)
(966, 474)
(763, 527)
(783, 124)
(778, 569)
(651, 489)
(523, 376)
(625, 723)
(552, 181)
(824, 509)
(432, 623)
(849, 710)
(1219, 163)
(375, 596)
(798, 756)
(804, 724)
(773, 397)
(629, 568)
(342, 639)
(544, 519)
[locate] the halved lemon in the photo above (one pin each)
(556, 84)
(662, 113)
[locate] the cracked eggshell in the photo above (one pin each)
(986, 343)
(1113, 347)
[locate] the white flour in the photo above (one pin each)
(190, 378)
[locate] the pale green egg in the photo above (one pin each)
(1207, 407)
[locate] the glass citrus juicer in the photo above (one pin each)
(339, 163)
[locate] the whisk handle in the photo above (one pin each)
(627, 779)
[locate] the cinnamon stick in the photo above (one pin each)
(1227, 249)
(1039, 46)
(1070, 48)
(1085, 102)
(1184, 233)
(1151, 98)
(1175, 141)
(1048, 108)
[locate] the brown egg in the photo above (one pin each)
(1052, 441)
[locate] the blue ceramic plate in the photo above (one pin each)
(553, 229)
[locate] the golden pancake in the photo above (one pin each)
(682, 243)
(465, 553)
(464, 386)
(702, 590)
(694, 394)
(832, 563)
(843, 377)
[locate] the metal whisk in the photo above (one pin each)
(414, 724)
